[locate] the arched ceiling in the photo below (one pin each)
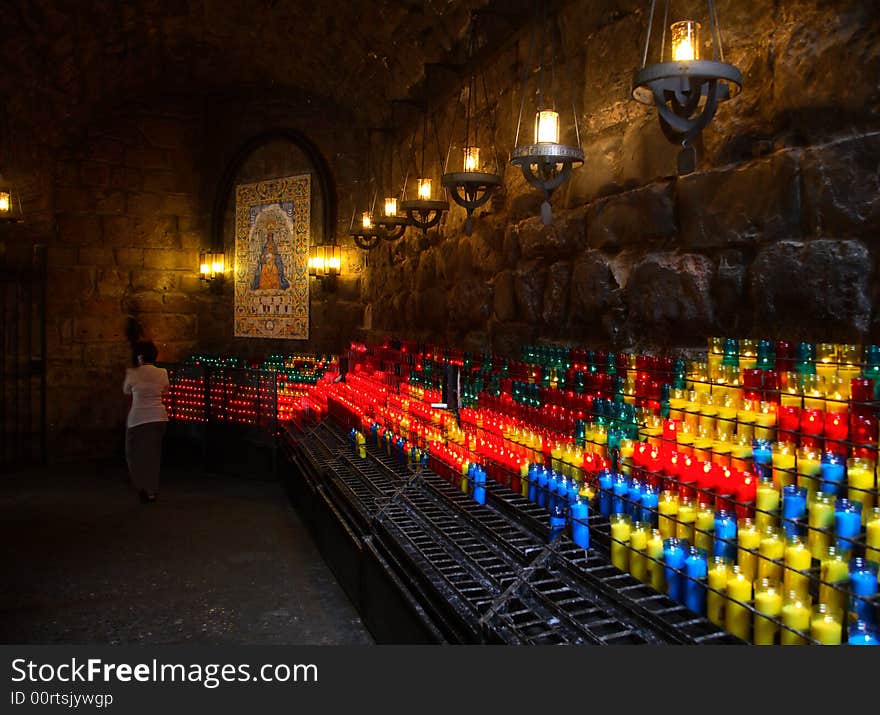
(66, 57)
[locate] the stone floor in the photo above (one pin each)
(215, 561)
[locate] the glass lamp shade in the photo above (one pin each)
(324, 261)
(211, 265)
(425, 189)
(390, 206)
(5, 202)
(472, 158)
(547, 127)
(333, 260)
(316, 261)
(367, 219)
(685, 41)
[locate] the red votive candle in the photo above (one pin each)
(788, 418)
(746, 493)
(836, 432)
(771, 386)
(706, 478)
(725, 489)
(862, 389)
(753, 382)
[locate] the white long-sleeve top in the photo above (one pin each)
(146, 385)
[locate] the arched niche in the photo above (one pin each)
(269, 155)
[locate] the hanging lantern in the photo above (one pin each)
(685, 88)
(473, 186)
(10, 203)
(547, 163)
(391, 224)
(325, 263)
(424, 211)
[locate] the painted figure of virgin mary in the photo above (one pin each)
(269, 274)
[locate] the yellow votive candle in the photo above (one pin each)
(765, 422)
(826, 626)
(766, 504)
(687, 517)
(797, 558)
(719, 572)
(668, 510)
(834, 574)
(771, 552)
(748, 541)
(795, 615)
(737, 618)
(809, 467)
(820, 522)
(705, 528)
(783, 465)
(656, 573)
(860, 477)
(621, 527)
(872, 536)
(638, 542)
(768, 602)
(676, 408)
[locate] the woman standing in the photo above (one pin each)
(147, 420)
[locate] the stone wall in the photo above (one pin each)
(773, 236)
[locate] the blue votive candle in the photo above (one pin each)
(794, 509)
(650, 500)
(832, 471)
(863, 584)
(480, 485)
(696, 570)
(762, 456)
(634, 495)
(674, 557)
(621, 493)
(861, 633)
(725, 535)
(580, 532)
(606, 485)
(847, 523)
(543, 478)
(533, 482)
(573, 491)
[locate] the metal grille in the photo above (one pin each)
(490, 564)
(23, 359)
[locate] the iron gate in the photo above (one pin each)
(22, 358)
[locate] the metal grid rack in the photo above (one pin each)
(486, 571)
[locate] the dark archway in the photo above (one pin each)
(227, 180)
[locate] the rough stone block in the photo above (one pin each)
(146, 158)
(529, 283)
(166, 327)
(758, 201)
(562, 238)
(155, 280)
(555, 301)
(595, 294)
(469, 304)
(112, 283)
(169, 259)
(842, 188)
(669, 298)
(81, 230)
(144, 204)
(798, 288)
(67, 285)
(98, 328)
(95, 256)
(129, 257)
(504, 295)
(637, 217)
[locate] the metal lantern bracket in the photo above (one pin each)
(546, 165)
(391, 228)
(685, 93)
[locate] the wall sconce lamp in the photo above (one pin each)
(325, 264)
(685, 88)
(212, 268)
(10, 203)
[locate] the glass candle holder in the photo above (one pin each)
(674, 556)
(794, 509)
(768, 604)
(655, 563)
(847, 524)
(621, 528)
(720, 570)
(798, 560)
(725, 545)
(872, 536)
(748, 542)
(668, 512)
(861, 477)
(770, 553)
(863, 633)
(687, 517)
(638, 542)
(767, 499)
(796, 613)
(695, 571)
(737, 616)
(820, 523)
(783, 464)
(863, 586)
(826, 625)
(705, 527)
(834, 575)
(765, 421)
